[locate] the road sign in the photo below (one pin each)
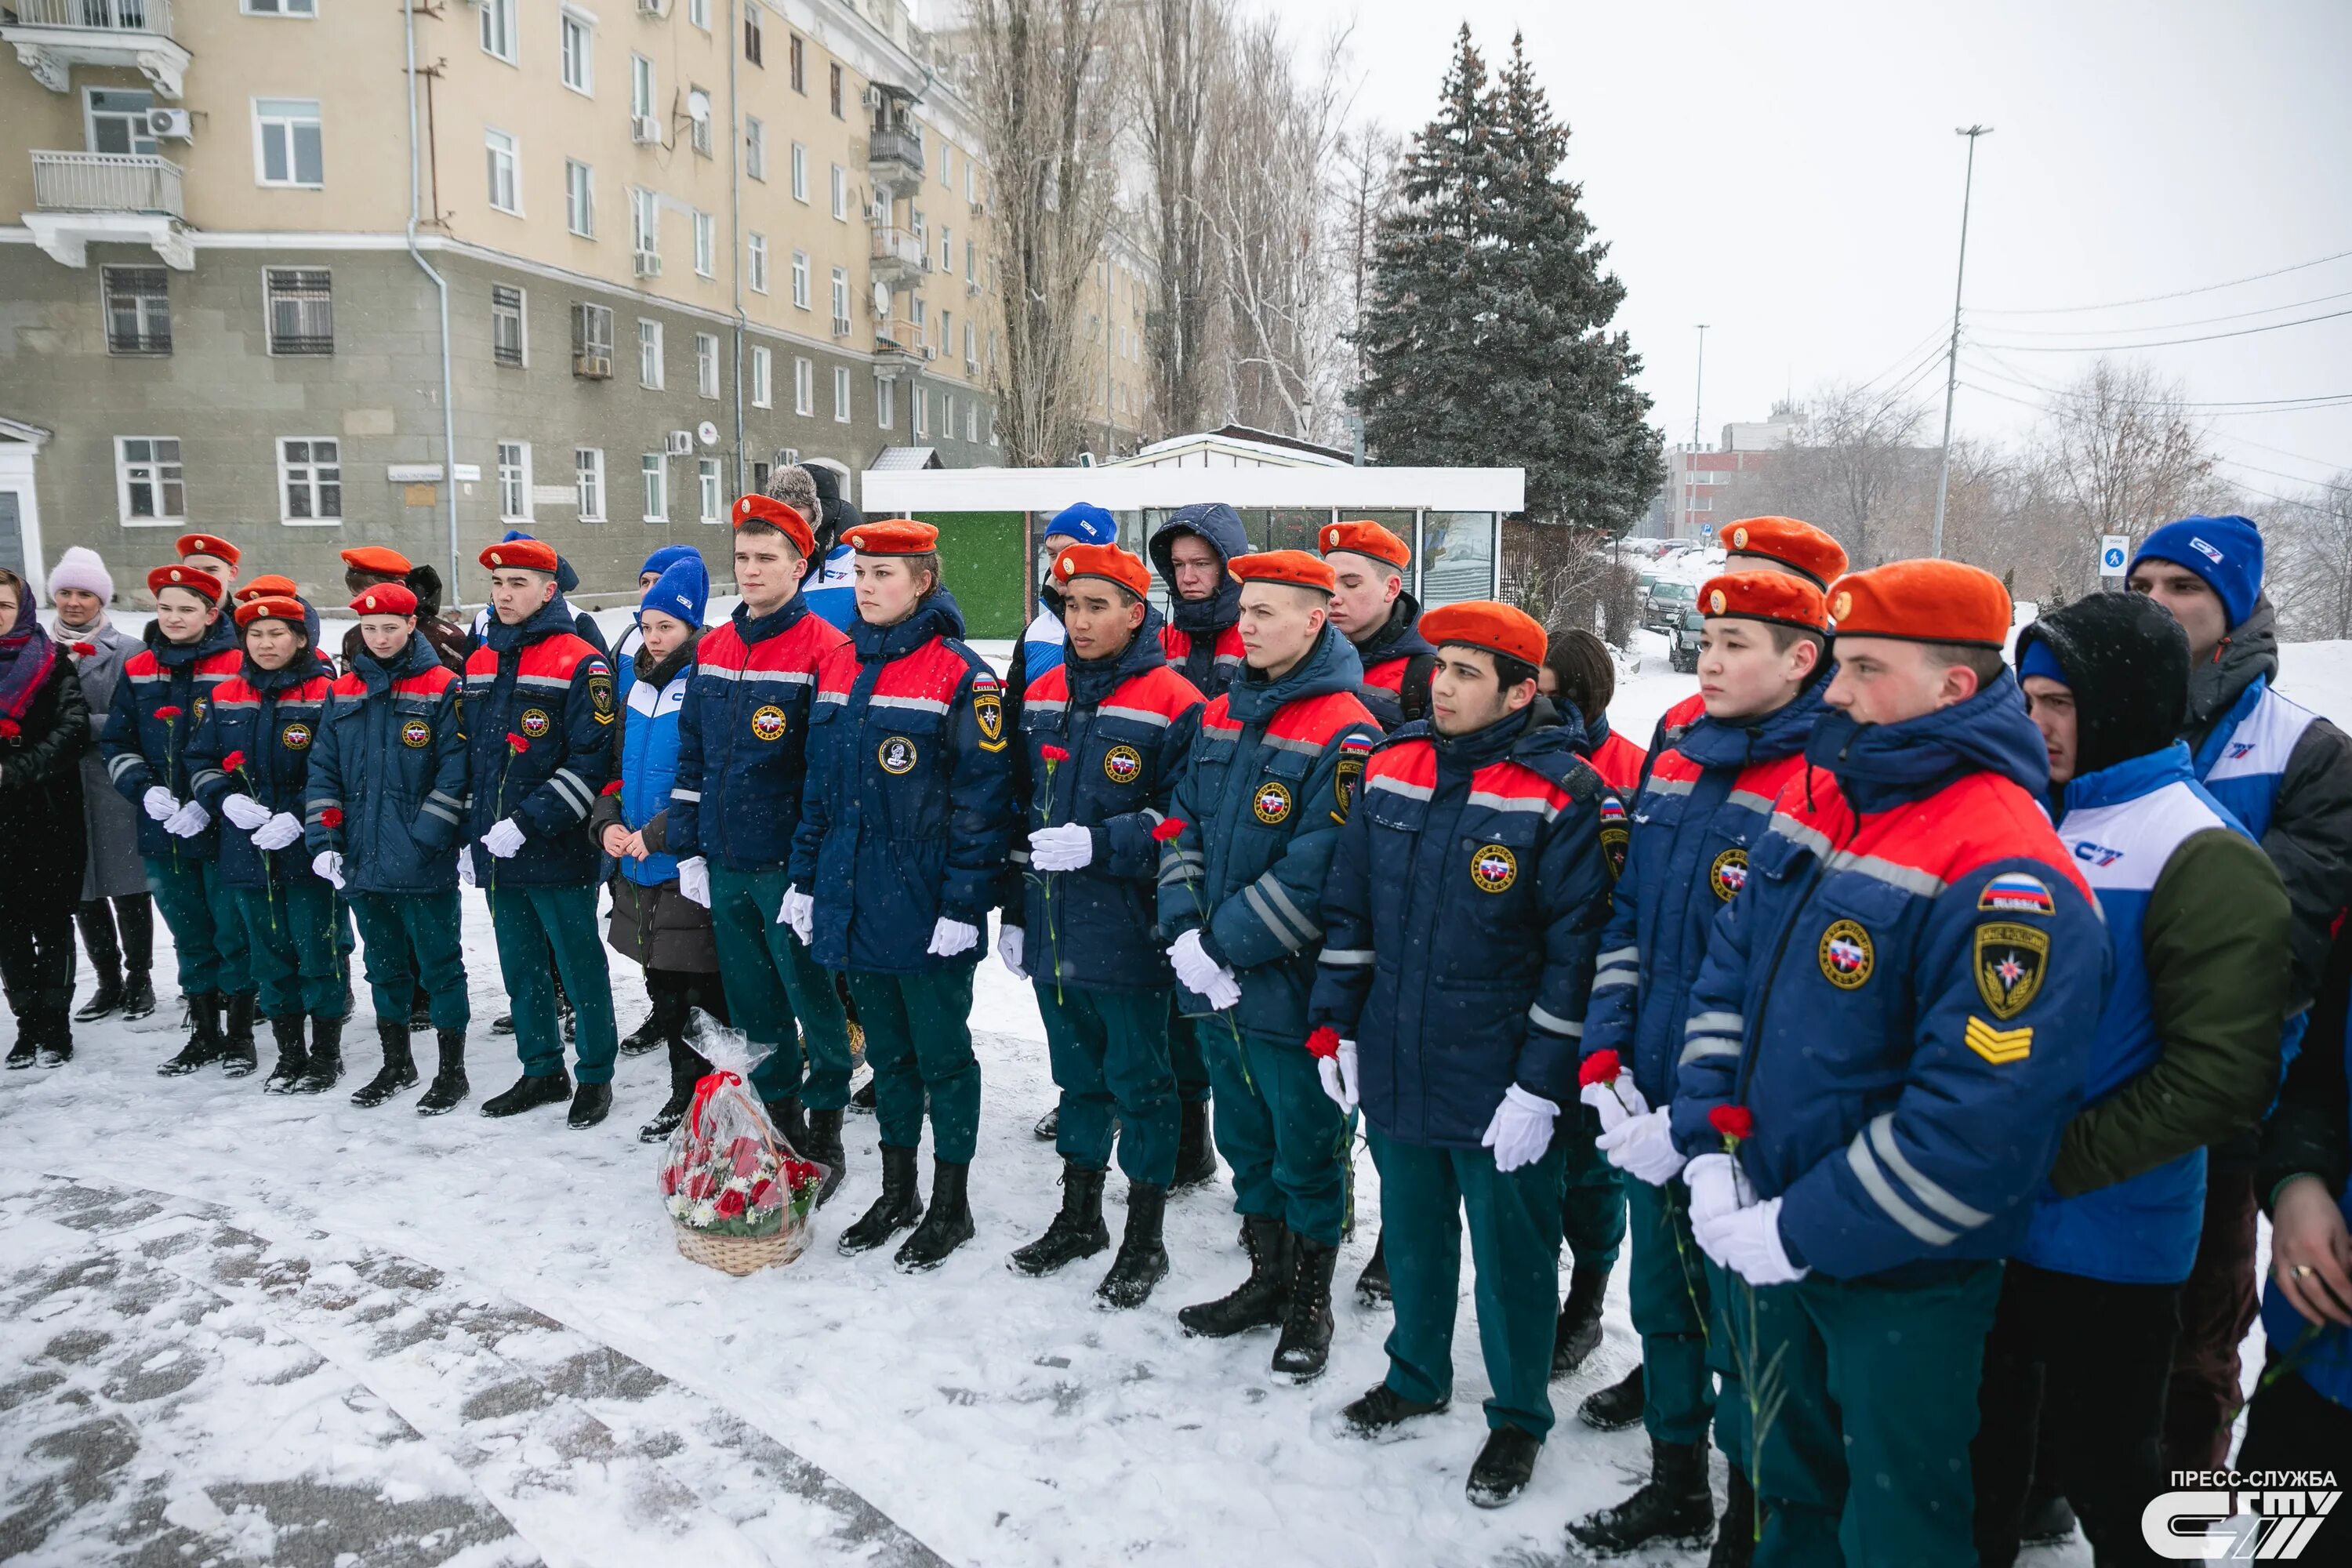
(1707, 531)
(2114, 550)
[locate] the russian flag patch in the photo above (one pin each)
(2015, 893)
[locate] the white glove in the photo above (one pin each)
(328, 867)
(188, 821)
(504, 837)
(1718, 1187)
(244, 811)
(694, 879)
(277, 831)
(1614, 1101)
(1069, 847)
(465, 866)
(1643, 1146)
(1521, 1130)
(1747, 1242)
(1009, 943)
(799, 913)
(160, 803)
(1338, 1075)
(951, 937)
(1202, 975)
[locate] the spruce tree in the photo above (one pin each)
(1485, 339)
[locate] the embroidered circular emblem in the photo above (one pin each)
(1331, 537)
(1843, 606)
(1846, 954)
(1273, 801)
(768, 723)
(1739, 539)
(1715, 603)
(1122, 764)
(295, 737)
(534, 723)
(897, 754)
(416, 732)
(1493, 868)
(1729, 874)
(197, 710)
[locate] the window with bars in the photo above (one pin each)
(148, 480)
(506, 325)
(591, 330)
(310, 476)
(138, 309)
(302, 309)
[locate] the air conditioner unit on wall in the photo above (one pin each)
(871, 98)
(653, 7)
(645, 130)
(170, 125)
(677, 443)
(593, 367)
(648, 263)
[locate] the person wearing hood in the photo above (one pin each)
(385, 812)
(1885, 1041)
(190, 650)
(1462, 911)
(1039, 648)
(1261, 802)
(369, 566)
(539, 710)
(906, 823)
(44, 731)
(567, 581)
(1371, 608)
(1193, 552)
(1706, 803)
(2186, 1054)
(1104, 734)
(1761, 544)
(250, 765)
(831, 585)
(116, 913)
(2287, 774)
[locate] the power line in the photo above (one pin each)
(2227, 409)
(2174, 326)
(2175, 294)
(2161, 343)
(2328, 463)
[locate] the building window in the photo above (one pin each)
(706, 363)
(947, 251)
(706, 244)
(798, 54)
(641, 88)
(833, 89)
(840, 194)
(841, 301)
(302, 312)
(971, 420)
(591, 339)
(755, 148)
(698, 12)
(970, 185)
(506, 325)
(645, 223)
(803, 387)
(971, 345)
(799, 172)
(580, 198)
(971, 263)
(922, 405)
(576, 38)
(138, 309)
(147, 481)
(947, 415)
(752, 41)
(801, 279)
(310, 476)
(505, 186)
(841, 394)
(281, 7)
(514, 481)
(756, 262)
(653, 469)
(947, 165)
(705, 480)
(286, 150)
(497, 29)
(762, 377)
(588, 477)
(649, 355)
(698, 119)
(886, 403)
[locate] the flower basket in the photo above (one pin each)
(740, 1197)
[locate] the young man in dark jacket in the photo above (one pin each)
(1104, 734)
(1761, 544)
(1372, 610)
(1463, 909)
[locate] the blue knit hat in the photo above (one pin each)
(1086, 523)
(668, 556)
(2037, 660)
(2227, 551)
(683, 591)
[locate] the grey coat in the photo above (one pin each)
(112, 869)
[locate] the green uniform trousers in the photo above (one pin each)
(1725, 1355)
(1515, 1249)
(1866, 1458)
(776, 992)
(1285, 1141)
(290, 933)
(531, 923)
(206, 930)
(1592, 1201)
(918, 1042)
(413, 939)
(1191, 1064)
(1676, 1296)
(1110, 1055)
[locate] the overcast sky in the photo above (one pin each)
(1788, 175)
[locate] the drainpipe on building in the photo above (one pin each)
(441, 286)
(735, 229)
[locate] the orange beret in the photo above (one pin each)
(269, 583)
(386, 599)
(206, 544)
(1800, 546)
(272, 608)
(1483, 623)
(1295, 567)
(893, 536)
(1367, 539)
(1773, 596)
(779, 515)
(532, 554)
(194, 579)
(1107, 562)
(1923, 601)
(375, 558)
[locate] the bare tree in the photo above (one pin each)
(1856, 467)
(2118, 454)
(1368, 158)
(1179, 48)
(2309, 570)
(1568, 577)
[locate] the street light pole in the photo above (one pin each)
(1952, 362)
(1699, 396)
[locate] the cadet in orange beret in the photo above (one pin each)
(269, 585)
(1784, 544)
(369, 566)
(209, 553)
(1372, 609)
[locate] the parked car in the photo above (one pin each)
(1682, 643)
(1662, 607)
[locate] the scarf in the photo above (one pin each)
(26, 655)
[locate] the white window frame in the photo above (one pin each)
(801, 279)
(289, 10)
(150, 473)
(281, 116)
(947, 251)
(698, 12)
(653, 485)
(840, 194)
(921, 424)
(755, 262)
(644, 87)
(709, 505)
(576, 39)
(498, 30)
(841, 394)
(886, 403)
(645, 219)
(649, 354)
(521, 325)
(580, 198)
(800, 171)
(841, 293)
(947, 163)
(514, 481)
(588, 482)
(511, 152)
(705, 245)
(755, 147)
(269, 303)
(763, 376)
(706, 363)
(970, 419)
(804, 385)
(309, 472)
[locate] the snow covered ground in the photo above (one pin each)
(238, 1328)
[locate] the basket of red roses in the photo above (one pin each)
(740, 1197)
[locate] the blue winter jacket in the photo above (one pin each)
(273, 718)
(649, 749)
(744, 735)
(541, 683)
(142, 748)
(391, 760)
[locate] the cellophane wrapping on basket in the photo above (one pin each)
(729, 1171)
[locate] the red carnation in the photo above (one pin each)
(1054, 753)
(10, 728)
(1170, 830)
(1600, 1066)
(1323, 1042)
(763, 1193)
(1733, 1121)
(730, 1203)
(168, 712)
(516, 743)
(332, 817)
(234, 761)
(85, 650)
(613, 788)
(668, 1179)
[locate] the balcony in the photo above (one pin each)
(52, 36)
(111, 199)
(894, 156)
(898, 254)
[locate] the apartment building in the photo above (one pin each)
(673, 239)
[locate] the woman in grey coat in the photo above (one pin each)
(115, 913)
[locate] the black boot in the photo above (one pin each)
(27, 1048)
(900, 1204)
(326, 1069)
(947, 1226)
(1196, 1151)
(450, 1084)
(138, 995)
(1504, 1465)
(293, 1058)
(204, 1044)
(1078, 1231)
(237, 1056)
(1735, 1538)
(107, 1000)
(1306, 1344)
(1372, 1284)
(56, 1026)
(591, 1103)
(1381, 1410)
(530, 1093)
(1578, 1333)
(420, 1011)
(1142, 1260)
(824, 1148)
(1048, 1127)
(861, 1098)
(1258, 1301)
(503, 1023)
(645, 1038)
(399, 1069)
(2048, 1518)
(785, 1116)
(1673, 1506)
(686, 1069)
(1615, 1407)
